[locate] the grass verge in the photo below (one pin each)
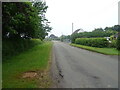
(35, 59)
(106, 51)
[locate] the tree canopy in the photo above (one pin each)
(98, 32)
(24, 20)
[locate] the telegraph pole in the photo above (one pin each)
(62, 37)
(72, 27)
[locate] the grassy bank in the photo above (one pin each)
(106, 51)
(34, 60)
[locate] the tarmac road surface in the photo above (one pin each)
(77, 68)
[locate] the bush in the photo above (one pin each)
(94, 42)
(118, 42)
(14, 47)
(74, 36)
(113, 44)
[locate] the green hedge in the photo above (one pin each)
(118, 42)
(94, 42)
(113, 44)
(14, 47)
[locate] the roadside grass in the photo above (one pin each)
(106, 51)
(35, 59)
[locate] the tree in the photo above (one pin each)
(24, 20)
(98, 30)
(116, 28)
(44, 24)
(118, 42)
(18, 19)
(108, 28)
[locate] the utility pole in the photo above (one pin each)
(62, 37)
(72, 27)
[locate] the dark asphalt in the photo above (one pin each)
(77, 68)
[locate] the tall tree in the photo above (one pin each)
(24, 20)
(116, 28)
(44, 24)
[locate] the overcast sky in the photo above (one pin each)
(85, 14)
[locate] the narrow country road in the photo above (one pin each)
(77, 68)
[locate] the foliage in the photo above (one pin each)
(98, 32)
(35, 59)
(94, 42)
(21, 22)
(12, 48)
(65, 37)
(74, 36)
(91, 34)
(24, 20)
(116, 28)
(108, 28)
(118, 41)
(111, 37)
(44, 23)
(106, 51)
(113, 44)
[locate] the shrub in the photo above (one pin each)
(94, 42)
(113, 44)
(118, 42)
(74, 36)
(14, 47)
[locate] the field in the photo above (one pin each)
(106, 51)
(35, 60)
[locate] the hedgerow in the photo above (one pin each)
(12, 48)
(118, 42)
(113, 44)
(94, 42)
